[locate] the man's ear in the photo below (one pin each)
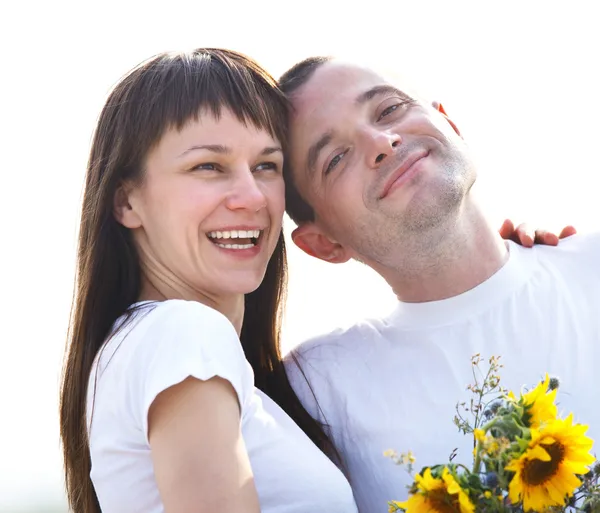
(440, 108)
(313, 241)
(122, 210)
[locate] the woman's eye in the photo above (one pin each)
(334, 162)
(207, 166)
(267, 166)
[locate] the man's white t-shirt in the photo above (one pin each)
(163, 344)
(393, 383)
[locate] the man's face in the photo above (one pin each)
(378, 166)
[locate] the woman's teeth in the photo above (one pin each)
(234, 246)
(235, 234)
(249, 238)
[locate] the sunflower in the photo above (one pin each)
(539, 404)
(546, 473)
(437, 495)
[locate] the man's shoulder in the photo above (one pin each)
(583, 248)
(320, 368)
(340, 344)
(587, 242)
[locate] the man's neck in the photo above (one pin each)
(448, 260)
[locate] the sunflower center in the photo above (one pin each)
(536, 472)
(441, 501)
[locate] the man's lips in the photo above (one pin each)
(409, 161)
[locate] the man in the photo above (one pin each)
(377, 175)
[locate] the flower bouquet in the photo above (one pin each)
(525, 457)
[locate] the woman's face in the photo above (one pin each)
(208, 214)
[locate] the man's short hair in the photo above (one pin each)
(294, 78)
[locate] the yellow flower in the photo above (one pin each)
(539, 404)
(394, 506)
(492, 448)
(487, 494)
(400, 459)
(435, 495)
(479, 435)
(546, 473)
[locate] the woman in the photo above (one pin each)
(181, 270)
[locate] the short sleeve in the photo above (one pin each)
(180, 339)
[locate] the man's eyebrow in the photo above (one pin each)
(381, 90)
(315, 149)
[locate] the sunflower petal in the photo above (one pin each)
(538, 453)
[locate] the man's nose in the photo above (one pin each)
(378, 145)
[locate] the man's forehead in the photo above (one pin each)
(337, 80)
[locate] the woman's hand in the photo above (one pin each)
(526, 236)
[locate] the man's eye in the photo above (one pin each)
(334, 162)
(392, 108)
(389, 110)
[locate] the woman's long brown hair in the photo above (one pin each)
(167, 91)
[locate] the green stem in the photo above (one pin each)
(477, 462)
(460, 465)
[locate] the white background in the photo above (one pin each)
(519, 78)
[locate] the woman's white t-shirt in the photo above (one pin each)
(161, 345)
